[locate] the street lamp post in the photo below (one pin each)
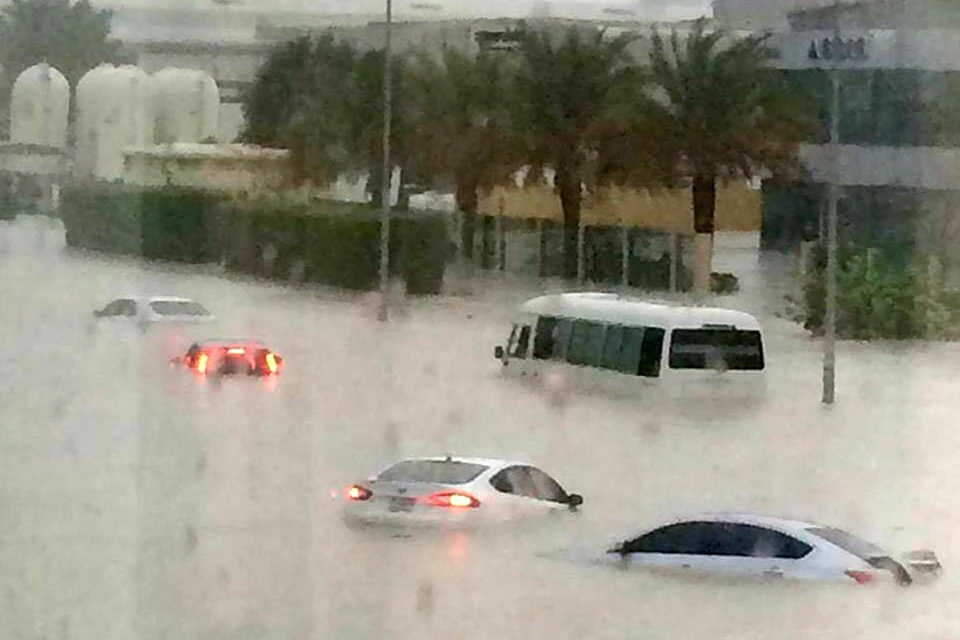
(383, 314)
(830, 311)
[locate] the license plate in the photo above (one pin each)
(398, 503)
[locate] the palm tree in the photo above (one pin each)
(722, 113)
(565, 98)
(458, 135)
(297, 103)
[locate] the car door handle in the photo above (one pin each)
(684, 566)
(773, 573)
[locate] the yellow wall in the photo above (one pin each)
(738, 207)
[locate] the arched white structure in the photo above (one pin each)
(39, 107)
(188, 106)
(115, 111)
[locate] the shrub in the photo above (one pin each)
(879, 297)
(337, 243)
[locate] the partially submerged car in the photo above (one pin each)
(746, 546)
(231, 357)
(146, 311)
(454, 490)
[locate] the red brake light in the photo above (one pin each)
(356, 492)
(862, 577)
(273, 365)
(202, 363)
(451, 499)
(236, 351)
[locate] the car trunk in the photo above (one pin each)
(886, 563)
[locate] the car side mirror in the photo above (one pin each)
(498, 352)
(574, 500)
(98, 313)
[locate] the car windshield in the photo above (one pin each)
(178, 308)
(848, 542)
(432, 471)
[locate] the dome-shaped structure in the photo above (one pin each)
(39, 107)
(188, 106)
(115, 112)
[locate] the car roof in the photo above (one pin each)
(747, 518)
(230, 342)
(168, 299)
(493, 463)
(148, 299)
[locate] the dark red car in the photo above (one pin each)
(231, 357)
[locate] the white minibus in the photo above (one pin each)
(607, 340)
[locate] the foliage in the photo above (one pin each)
(458, 135)
(565, 100)
(322, 99)
(720, 112)
(332, 243)
(74, 37)
(878, 297)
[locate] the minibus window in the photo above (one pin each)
(586, 343)
(651, 352)
(522, 343)
(611, 347)
(629, 361)
(562, 338)
(543, 339)
(721, 349)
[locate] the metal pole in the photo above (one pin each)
(830, 315)
(387, 173)
(581, 237)
(624, 255)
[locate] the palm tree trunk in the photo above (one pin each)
(467, 203)
(568, 184)
(704, 207)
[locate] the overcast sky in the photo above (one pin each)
(642, 9)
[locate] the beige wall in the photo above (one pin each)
(229, 173)
(738, 207)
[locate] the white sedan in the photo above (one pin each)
(145, 311)
(743, 546)
(455, 491)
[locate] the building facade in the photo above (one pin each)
(898, 160)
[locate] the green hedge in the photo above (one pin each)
(334, 243)
(879, 296)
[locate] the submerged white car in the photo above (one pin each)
(455, 491)
(739, 546)
(154, 310)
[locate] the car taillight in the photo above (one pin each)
(273, 364)
(202, 360)
(451, 499)
(356, 492)
(862, 577)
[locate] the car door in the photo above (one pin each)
(717, 549)
(525, 491)
(121, 310)
(674, 549)
(765, 553)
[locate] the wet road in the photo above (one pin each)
(136, 503)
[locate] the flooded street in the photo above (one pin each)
(139, 503)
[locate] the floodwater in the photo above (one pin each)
(137, 503)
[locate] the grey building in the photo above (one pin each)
(899, 157)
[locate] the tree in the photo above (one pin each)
(74, 37)
(721, 113)
(458, 136)
(323, 100)
(297, 102)
(565, 97)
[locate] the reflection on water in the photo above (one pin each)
(138, 503)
